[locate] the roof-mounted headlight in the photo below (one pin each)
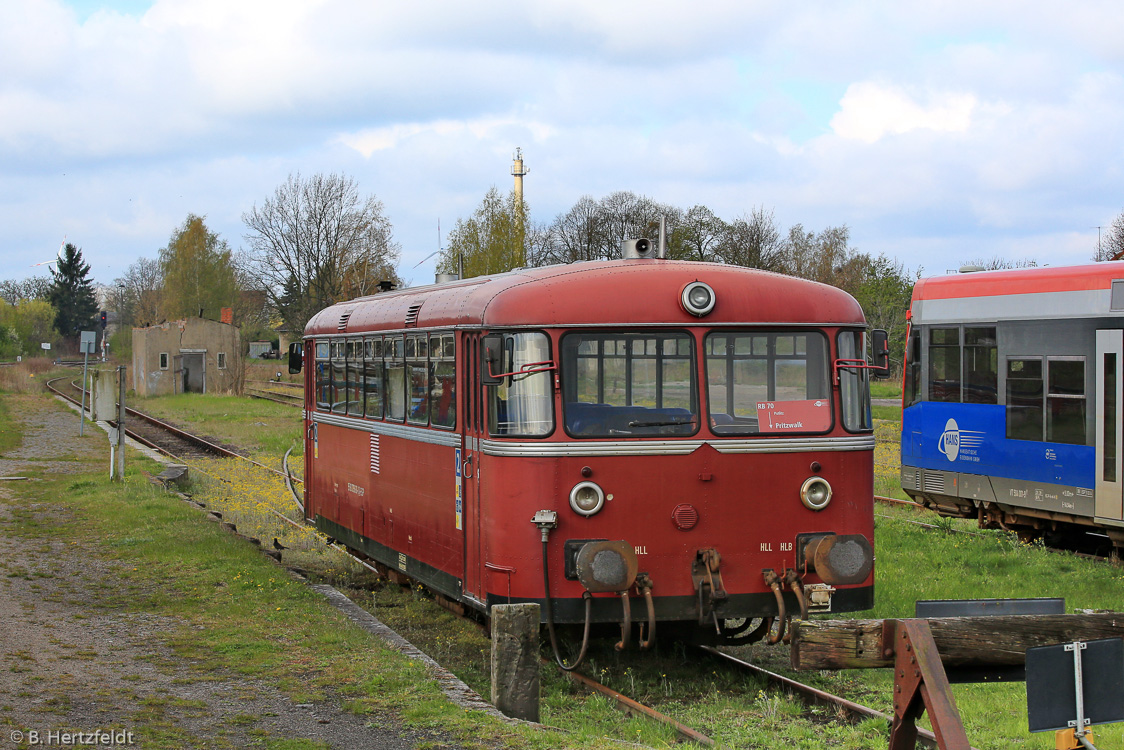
(697, 298)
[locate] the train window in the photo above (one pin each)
(788, 373)
(521, 404)
(854, 383)
(1108, 396)
(442, 381)
(372, 378)
(339, 386)
(981, 366)
(1065, 400)
(355, 378)
(417, 375)
(944, 364)
(323, 377)
(1025, 410)
(634, 384)
(393, 352)
(912, 378)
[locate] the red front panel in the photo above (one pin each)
(748, 508)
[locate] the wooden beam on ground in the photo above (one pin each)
(961, 641)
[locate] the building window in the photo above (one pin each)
(222, 360)
(163, 360)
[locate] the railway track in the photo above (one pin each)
(290, 394)
(160, 435)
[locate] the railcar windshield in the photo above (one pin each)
(629, 383)
(768, 382)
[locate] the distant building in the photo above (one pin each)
(259, 348)
(187, 356)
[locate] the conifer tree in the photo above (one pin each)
(72, 294)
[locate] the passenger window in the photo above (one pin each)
(981, 366)
(1025, 410)
(912, 377)
(1065, 400)
(395, 378)
(442, 381)
(373, 378)
(944, 364)
(417, 373)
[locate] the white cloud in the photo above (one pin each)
(869, 111)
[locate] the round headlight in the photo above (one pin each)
(815, 493)
(697, 298)
(586, 498)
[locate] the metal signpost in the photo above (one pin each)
(1071, 686)
(86, 343)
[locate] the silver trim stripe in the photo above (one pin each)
(406, 432)
(675, 447)
(600, 448)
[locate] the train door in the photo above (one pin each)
(472, 433)
(310, 436)
(1109, 498)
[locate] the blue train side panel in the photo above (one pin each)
(971, 439)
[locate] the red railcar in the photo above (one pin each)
(690, 439)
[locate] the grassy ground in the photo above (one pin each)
(913, 563)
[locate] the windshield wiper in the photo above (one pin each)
(661, 423)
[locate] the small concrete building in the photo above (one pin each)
(187, 356)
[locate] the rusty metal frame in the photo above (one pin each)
(920, 684)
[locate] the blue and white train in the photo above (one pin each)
(1011, 406)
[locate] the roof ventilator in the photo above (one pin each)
(412, 316)
(343, 321)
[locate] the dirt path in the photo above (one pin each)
(72, 661)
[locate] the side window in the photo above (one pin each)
(854, 384)
(1065, 400)
(222, 360)
(323, 377)
(981, 366)
(1025, 411)
(911, 379)
(944, 364)
(355, 377)
(442, 381)
(522, 404)
(372, 378)
(394, 359)
(163, 360)
(339, 378)
(417, 375)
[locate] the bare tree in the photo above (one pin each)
(316, 242)
(698, 236)
(752, 240)
(1111, 245)
(136, 297)
(34, 287)
(996, 263)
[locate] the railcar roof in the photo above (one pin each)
(1018, 294)
(1042, 280)
(595, 293)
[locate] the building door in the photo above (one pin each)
(194, 376)
(1109, 498)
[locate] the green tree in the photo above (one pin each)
(199, 277)
(885, 292)
(493, 240)
(25, 326)
(72, 294)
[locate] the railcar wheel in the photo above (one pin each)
(743, 631)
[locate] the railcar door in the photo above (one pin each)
(472, 432)
(310, 436)
(1109, 499)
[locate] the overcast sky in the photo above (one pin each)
(939, 132)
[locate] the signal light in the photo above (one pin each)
(102, 316)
